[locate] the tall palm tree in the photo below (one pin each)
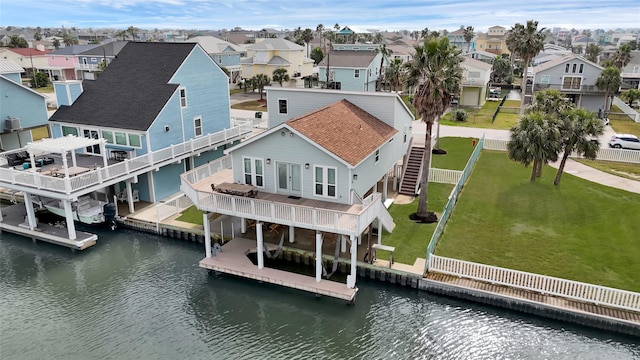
(319, 31)
(534, 139)
(501, 68)
(259, 82)
(121, 34)
(609, 81)
(394, 74)
(307, 37)
(468, 36)
(132, 30)
(385, 52)
(436, 73)
(280, 75)
(577, 128)
(593, 51)
(622, 56)
(526, 41)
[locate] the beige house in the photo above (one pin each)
(269, 54)
(493, 41)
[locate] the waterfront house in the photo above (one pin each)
(493, 41)
(352, 67)
(456, 38)
(575, 77)
(63, 63)
(475, 82)
(89, 60)
(267, 55)
(224, 53)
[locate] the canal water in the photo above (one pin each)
(139, 296)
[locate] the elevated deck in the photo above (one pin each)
(13, 219)
(233, 260)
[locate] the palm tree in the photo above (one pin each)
(501, 68)
(424, 32)
(336, 26)
(121, 34)
(526, 41)
(577, 128)
(307, 37)
(132, 30)
(436, 72)
(534, 139)
(468, 36)
(280, 75)
(593, 51)
(394, 74)
(386, 52)
(609, 81)
(622, 56)
(259, 82)
(631, 95)
(319, 30)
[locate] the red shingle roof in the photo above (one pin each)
(29, 51)
(345, 130)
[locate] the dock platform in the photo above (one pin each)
(13, 222)
(232, 259)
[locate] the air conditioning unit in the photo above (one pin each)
(296, 74)
(12, 124)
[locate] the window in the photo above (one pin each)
(474, 74)
(566, 68)
(377, 155)
(571, 83)
(134, 140)
(68, 130)
(581, 68)
(282, 106)
(94, 59)
(121, 138)
(183, 97)
(108, 135)
(325, 181)
(545, 79)
(253, 172)
(356, 73)
(197, 126)
(573, 70)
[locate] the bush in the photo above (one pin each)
(461, 115)
(43, 80)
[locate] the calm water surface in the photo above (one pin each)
(138, 296)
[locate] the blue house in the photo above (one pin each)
(89, 60)
(224, 53)
(152, 97)
(352, 69)
(23, 112)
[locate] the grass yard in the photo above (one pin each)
(622, 124)
(458, 152)
(578, 230)
(481, 118)
(625, 170)
(253, 105)
(191, 215)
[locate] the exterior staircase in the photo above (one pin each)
(412, 172)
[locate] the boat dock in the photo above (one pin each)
(13, 221)
(232, 259)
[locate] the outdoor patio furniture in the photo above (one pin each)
(237, 189)
(18, 158)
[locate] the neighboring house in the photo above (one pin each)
(631, 73)
(480, 55)
(351, 70)
(63, 62)
(224, 53)
(456, 38)
(493, 41)
(269, 54)
(348, 34)
(23, 112)
(402, 52)
(153, 96)
(89, 60)
(27, 58)
(549, 53)
(575, 77)
(475, 82)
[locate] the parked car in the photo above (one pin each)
(626, 141)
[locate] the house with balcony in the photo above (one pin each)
(575, 77)
(224, 53)
(267, 55)
(23, 112)
(30, 59)
(493, 41)
(89, 60)
(63, 62)
(475, 82)
(352, 67)
(631, 73)
(456, 38)
(316, 168)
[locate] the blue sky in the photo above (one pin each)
(289, 14)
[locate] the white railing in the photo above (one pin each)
(444, 176)
(90, 67)
(495, 144)
(168, 208)
(634, 115)
(570, 289)
(128, 167)
(202, 172)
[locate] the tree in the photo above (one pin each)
(394, 74)
(16, 41)
(336, 26)
(501, 69)
(121, 34)
(56, 43)
(280, 75)
(526, 41)
(319, 31)
(259, 82)
(132, 30)
(385, 52)
(436, 73)
(468, 36)
(622, 56)
(631, 95)
(593, 51)
(39, 80)
(307, 37)
(424, 33)
(534, 139)
(577, 128)
(37, 36)
(609, 81)
(317, 55)
(68, 39)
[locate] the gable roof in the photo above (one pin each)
(349, 59)
(481, 65)
(213, 45)
(8, 66)
(109, 49)
(29, 51)
(345, 130)
(73, 49)
(274, 44)
(132, 90)
(562, 60)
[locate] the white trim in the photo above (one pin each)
(182, 89)
(325, 183)
(286, 103)
(252, 172)
(570, 88)
(195, 127)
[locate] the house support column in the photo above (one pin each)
(343, 243)
(318, 256)
(395, 177)
(207, 234)
(31, 214)
(243, 225)
(68, 214)
(385, 183)
(351, 279)
(379, 231)
(292, 234)
(130, 197)
(65, 164)
(260, 249)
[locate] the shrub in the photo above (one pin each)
(42, 80)
(461, 115)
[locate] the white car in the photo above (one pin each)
(626, 141)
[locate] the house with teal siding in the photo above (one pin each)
(224, 53)
(153, 97)
(351, 69)
(22, 110)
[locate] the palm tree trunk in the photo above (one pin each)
(606, 100)
(438, 135)
(539, 169)
(565, 156)
(523, 85)
(424, 180)
(532, 179)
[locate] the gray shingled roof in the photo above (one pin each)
(278, 60)
(132, 90)
(109, 49)
(274, 44)
(349, 59)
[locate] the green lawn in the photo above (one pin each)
(625, 170)
(253, 105)
(481, 118)
(622, 124)
(578, 230)
(191, 215)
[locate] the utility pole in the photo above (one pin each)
(33, 71)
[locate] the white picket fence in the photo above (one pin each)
(444, 176)
(605, 153)
(596, 294)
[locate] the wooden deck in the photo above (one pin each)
(233, 260)
(548, 300)
(13, 217)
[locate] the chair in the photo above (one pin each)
(122, 196)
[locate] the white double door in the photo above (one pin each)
(289, 178)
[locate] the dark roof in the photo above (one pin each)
(109, 49)
(349, 58)
(132, 90)
(73, 49)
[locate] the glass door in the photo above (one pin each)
(289, 178)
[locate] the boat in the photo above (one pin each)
(86, 210)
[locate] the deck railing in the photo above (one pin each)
(570, 289)
(126, 168)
